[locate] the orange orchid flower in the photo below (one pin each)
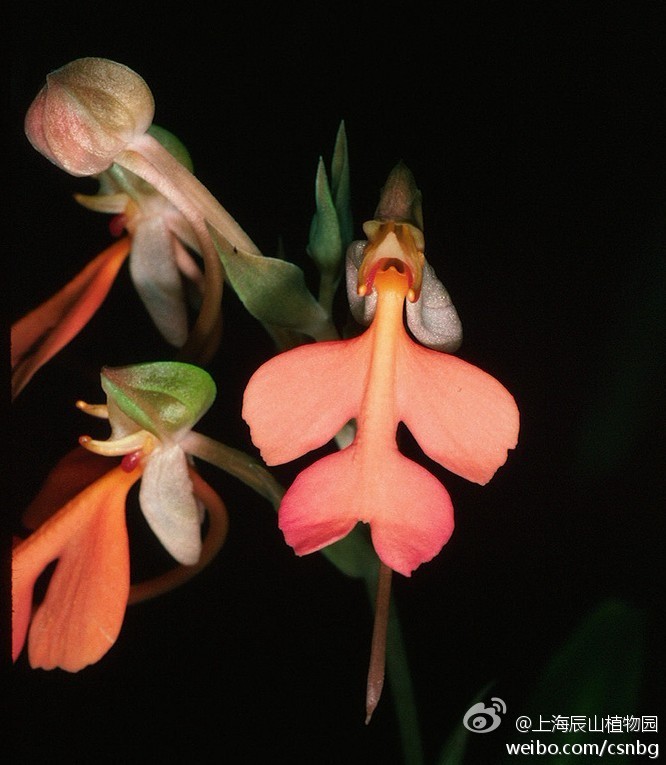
(79, 515)
(81, 615)
(462, 418)
(158, 245)
(83, 610)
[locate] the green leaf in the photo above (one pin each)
(166, 397)
(598, 671)
(599, 666)
(453, 751)
(354, 554)
(325, 244)
(272, 290)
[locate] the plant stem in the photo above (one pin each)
(235, 462)
(400, 682)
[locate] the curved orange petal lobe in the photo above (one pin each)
(81, 615)
(300, 399)
(319, 507)
(461, 416)
(71, 475)
(409, 511)
(40, 334)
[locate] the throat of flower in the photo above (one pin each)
(392, 287)
(391, 245)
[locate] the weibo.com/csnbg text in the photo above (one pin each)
(600, 749)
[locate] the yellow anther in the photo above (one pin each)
(142, 440)
(94, 410)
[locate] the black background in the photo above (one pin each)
(535, 134)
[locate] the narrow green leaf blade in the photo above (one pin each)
(341, 186)
(272, 290)
(324, 243)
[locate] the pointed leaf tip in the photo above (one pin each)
(324, 243)
(341, 186)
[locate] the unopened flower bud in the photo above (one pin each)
(400, 199)
(89, 111)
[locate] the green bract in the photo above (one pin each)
(331, 229)
(325, 242)
(164, 397)
(172, 144)
(340, 186)
(272, 290)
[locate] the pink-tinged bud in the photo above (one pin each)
(89, 111)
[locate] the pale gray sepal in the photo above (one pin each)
(169, 505)
(153, 269)
(362, 308)
(433, 319)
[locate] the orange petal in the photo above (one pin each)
(85, 603)
(70, 476)
(461, 416)
(413, 520)
(300, 399)
(39, 335)
(409, 511)
(318, 508)
(21, 605)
